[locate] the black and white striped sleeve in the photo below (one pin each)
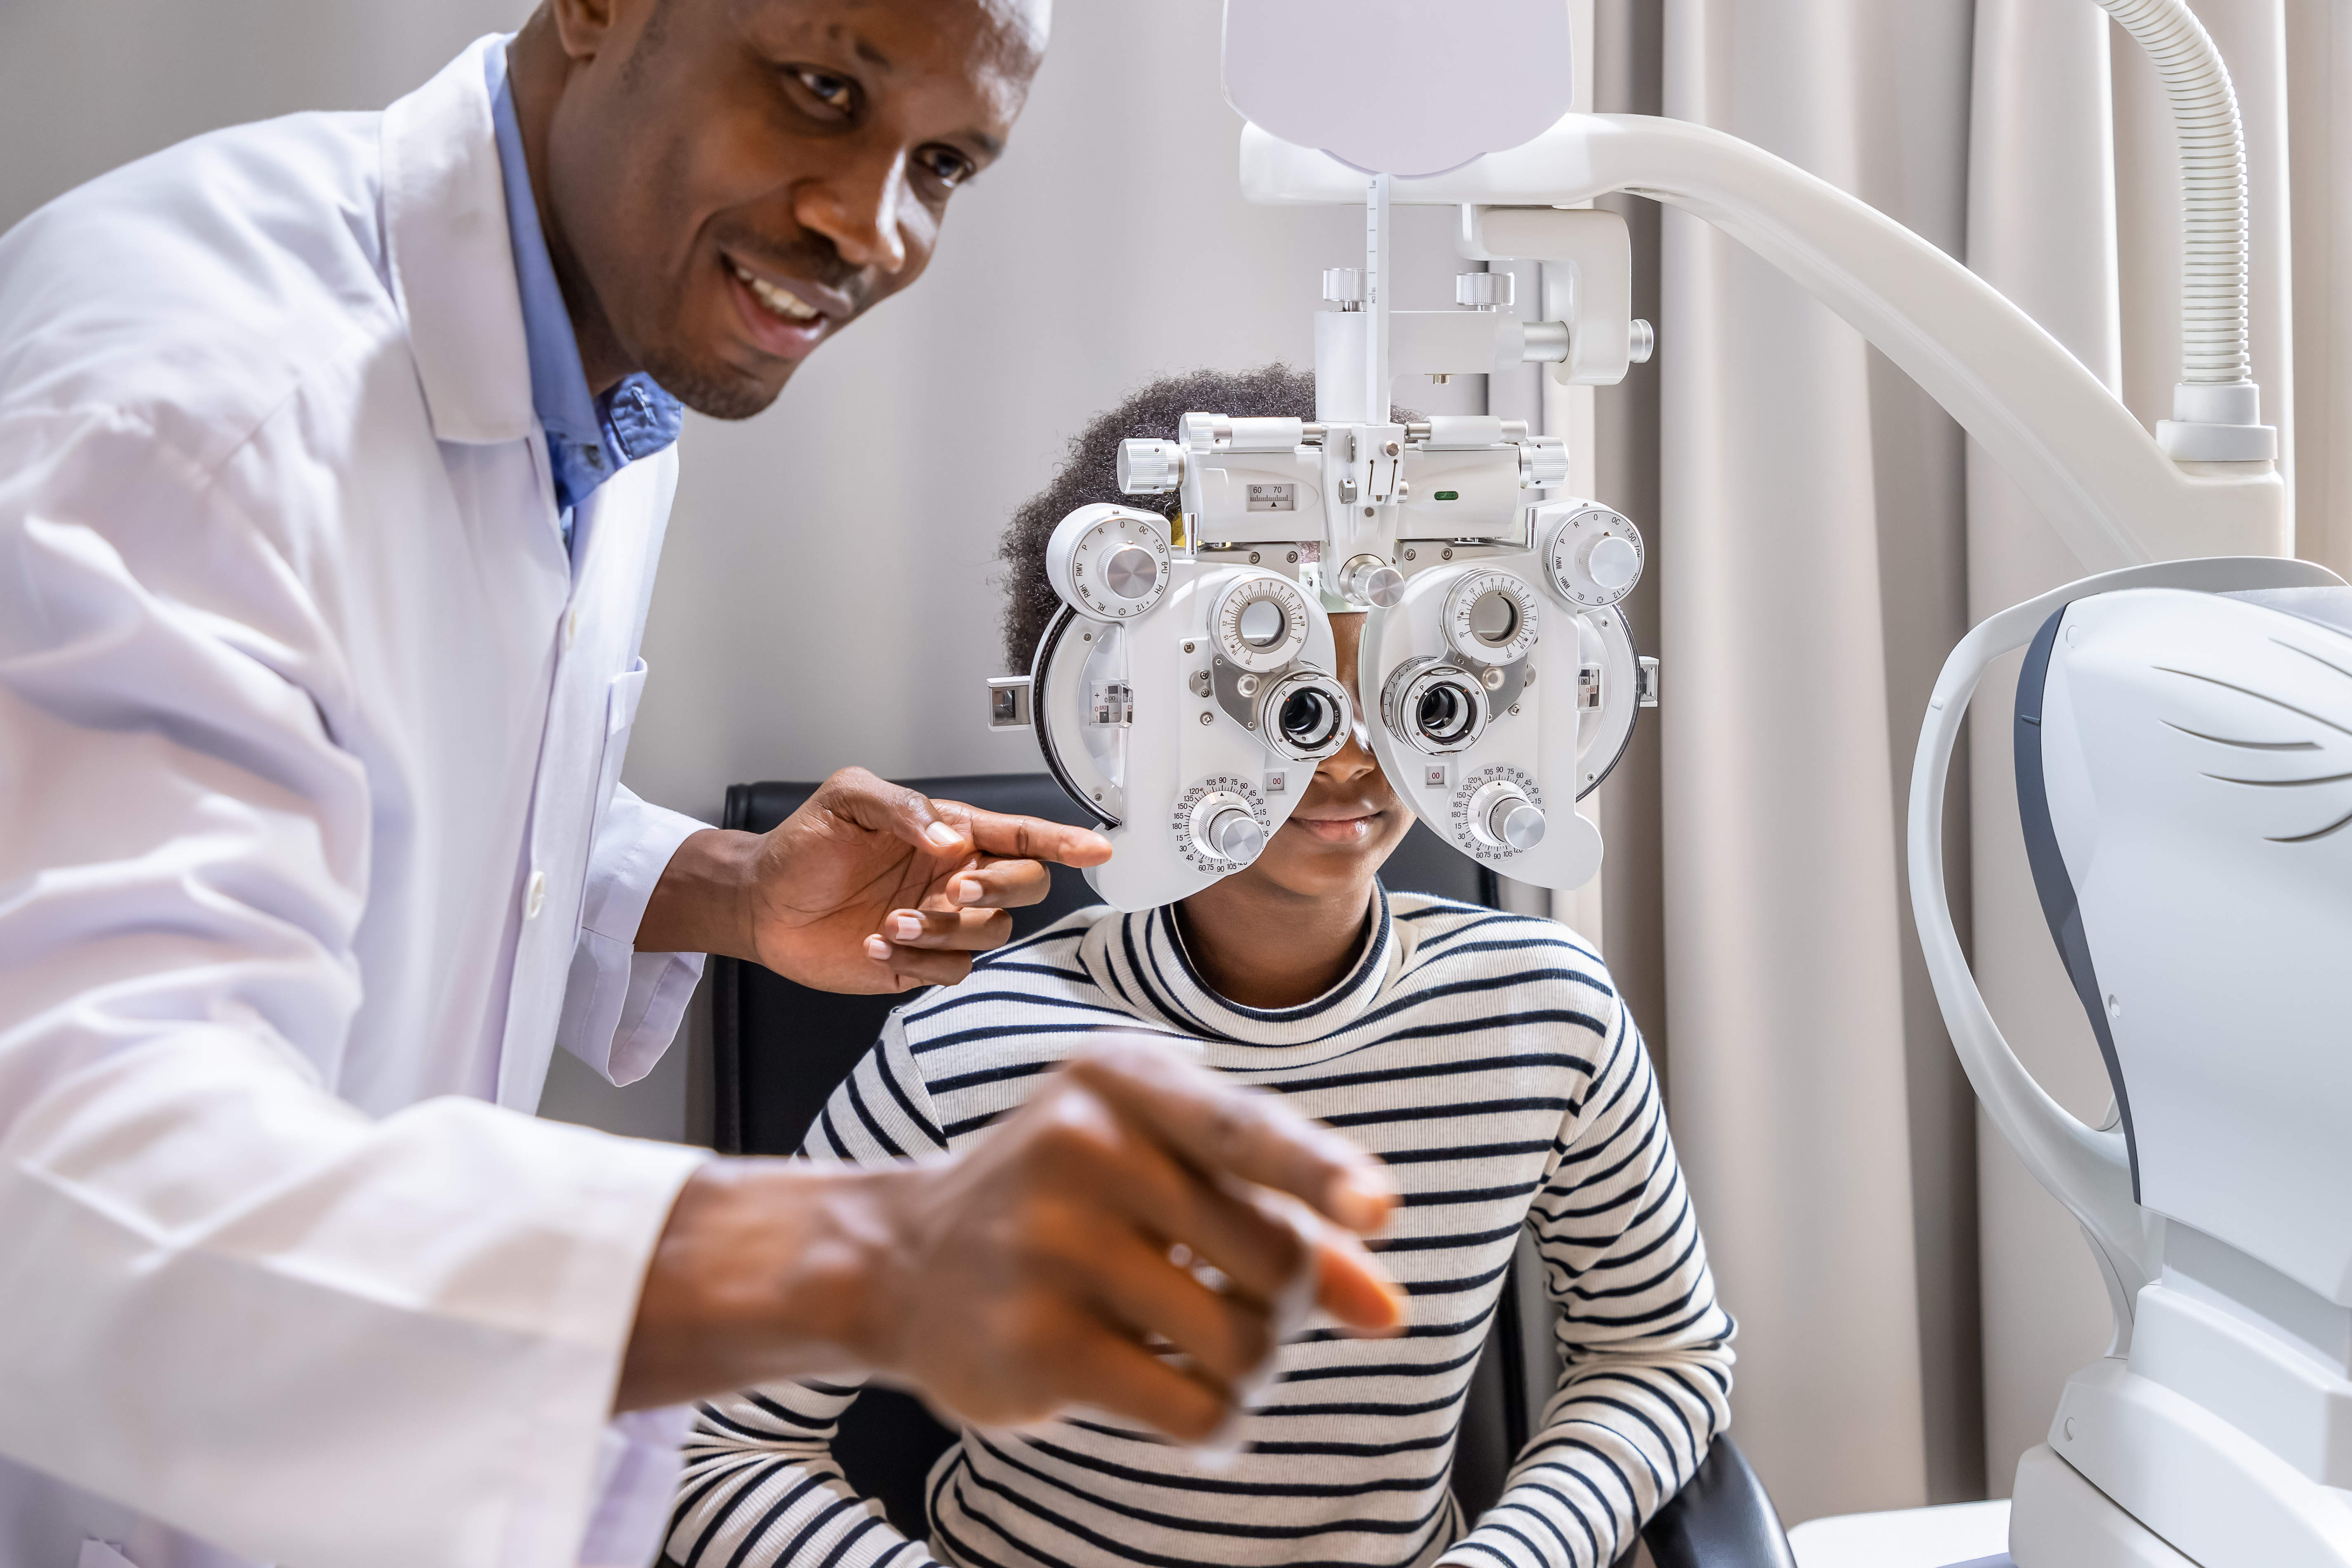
(1645, 1351)
(762, 1489)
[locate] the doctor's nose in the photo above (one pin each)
(858, 210)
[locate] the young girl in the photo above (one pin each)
(1485, 1056)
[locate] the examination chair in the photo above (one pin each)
(779, 1049)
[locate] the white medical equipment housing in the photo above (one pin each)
(2184, 776)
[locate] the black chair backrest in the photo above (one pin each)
(779, 1049)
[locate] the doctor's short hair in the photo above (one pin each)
(1090, 474)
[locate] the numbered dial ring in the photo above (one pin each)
(1490, 618)
(1221, 824)
(1113, 569)
(1595, 558)
(1498, 814)
(1259, 622)
(1438, 707)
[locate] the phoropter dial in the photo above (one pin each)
(1438, 707)
(1306, 715)
(1595, 557)
(1497, 812)
(1108, 564)
(1490, 618)
(1221, 824)
(1259, 621)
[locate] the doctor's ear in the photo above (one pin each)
(587, 27)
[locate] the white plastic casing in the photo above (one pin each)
(1180, 742)
(1535, 747)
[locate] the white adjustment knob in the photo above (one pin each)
(1109, 562)
(1543, 462)
(1344, 286)
(1221, 831)
(1503, 817)
(1614, 564)
(1595, 556)
(1484, 290)
(1368, 580)
(1150, 468)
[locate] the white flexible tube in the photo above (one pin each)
(2213, 182)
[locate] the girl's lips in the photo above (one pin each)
(1336, 830)
(770, 332)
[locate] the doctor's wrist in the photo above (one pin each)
(703, 903)
(767, 1269)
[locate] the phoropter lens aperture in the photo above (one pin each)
(1308, 718)
(1444, 714)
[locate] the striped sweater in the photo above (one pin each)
(1488, 1060)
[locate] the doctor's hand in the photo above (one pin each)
(868, 887)
(1032, 1270)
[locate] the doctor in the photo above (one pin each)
(335, 456)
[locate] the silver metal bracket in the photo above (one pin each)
(1008, 702)
(1645, 681)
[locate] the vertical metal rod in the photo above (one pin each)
(1376, 299)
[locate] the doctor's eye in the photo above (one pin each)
(831, 91)
(945, 164)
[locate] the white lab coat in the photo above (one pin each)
(311, 847)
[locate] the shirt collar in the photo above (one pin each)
(1141, 958)
(588, 437)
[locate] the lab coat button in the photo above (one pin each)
(570, 629)
(534, 896)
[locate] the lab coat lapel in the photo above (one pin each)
(452, 263)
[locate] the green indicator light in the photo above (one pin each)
(1448, 495)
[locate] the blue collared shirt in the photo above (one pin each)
(589, 437)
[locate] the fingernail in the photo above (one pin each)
(940, 834)
(1367, 1197)
(877, 949)
(905, 928)
(967, 892)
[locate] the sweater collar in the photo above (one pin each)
(1141, 958)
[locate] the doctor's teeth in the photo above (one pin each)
(782, 301)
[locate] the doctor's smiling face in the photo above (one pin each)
(727, 183)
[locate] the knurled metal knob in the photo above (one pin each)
(1150, 468)
(1503, 817)
(1368, 580)
(1484, 291)
(1543, 461)
(1234, 833)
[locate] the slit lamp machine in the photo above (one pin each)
(2184, 721)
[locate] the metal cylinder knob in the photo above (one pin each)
(1641, 341)
(1233, 834)
(1543, 462)
(1503, 817)
(1344, 286)
(1150, 468)
(1223, 827)
(1368, 580)
(1484, 291)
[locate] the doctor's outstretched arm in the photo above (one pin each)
(1025, 1273)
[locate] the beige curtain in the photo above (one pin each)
(1910, 1301)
